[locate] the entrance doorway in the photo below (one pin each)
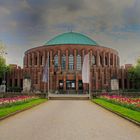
(70, 85)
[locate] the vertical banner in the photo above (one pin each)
(85, 69)
(45, 74)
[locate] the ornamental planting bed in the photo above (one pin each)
(131, 103)
(7, 102)
(11, 106)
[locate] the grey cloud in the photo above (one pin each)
(34, 21)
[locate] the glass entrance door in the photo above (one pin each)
(70, 84)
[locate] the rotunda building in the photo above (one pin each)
(66, 53)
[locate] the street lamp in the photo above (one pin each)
(4, 74)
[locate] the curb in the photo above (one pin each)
(14, 113)
(130, 120)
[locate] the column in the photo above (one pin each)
(102, 74)
(38, 59)
(94, 77)
(75, 63)
(33, 59)
(77, 86)
(43, 61)
(83, 53)
(64, 80)
(96, 80)
(122, 77)
(98, 58)
(25, 61)
(113, 60)
(90, 57)
(67, 60)
(57, 82)
(118, 61)
(39, 80)
(59, 59)
(103, 59)
(109, 59)
(29, 60)
(91, 80)
(51, 59)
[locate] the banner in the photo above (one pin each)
(85, 69)
(45, 73)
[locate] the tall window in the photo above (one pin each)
(78, 62)
(93, 60)
(101, 61)
(30, 61)
(71, 62)
(105, 60)
(111, 59)
(56, 60)
(63, 62)
(41, 60)
(35, 60)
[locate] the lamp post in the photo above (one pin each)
(3, 54)
(4, 74)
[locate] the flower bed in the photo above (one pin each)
(131, 103)
(15, 100)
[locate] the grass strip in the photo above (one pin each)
(134, 115)
(16, 108)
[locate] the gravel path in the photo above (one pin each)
(68, 120)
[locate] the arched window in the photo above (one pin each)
(71, 58)
(78, 62)
(56, 60)
(93, 60)
(63, 62)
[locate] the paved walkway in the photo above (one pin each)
(68, 120)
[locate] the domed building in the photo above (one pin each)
(65, 53)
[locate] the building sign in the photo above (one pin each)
(114, 84)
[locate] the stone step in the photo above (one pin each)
(68, 97)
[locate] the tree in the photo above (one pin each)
(134, 74)
(2, 49)
(3, 67)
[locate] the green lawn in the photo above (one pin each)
(134, 115)
(9, 110)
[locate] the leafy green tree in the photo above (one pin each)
(134, 74)
(3, 67)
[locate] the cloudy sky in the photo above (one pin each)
(29, 23)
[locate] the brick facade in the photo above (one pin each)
(107, 65)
